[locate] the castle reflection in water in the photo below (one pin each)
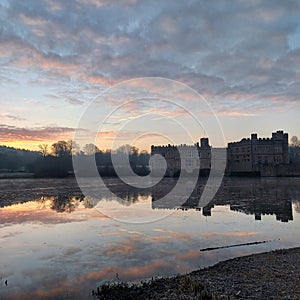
(252, 196)
(266, 196)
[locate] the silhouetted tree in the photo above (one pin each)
(12, 159)
(295, 141)
(75, 148)
(295, 150)
(44, 149)
(62, 148)
(90, 149)
(43, 163)
(124, 149)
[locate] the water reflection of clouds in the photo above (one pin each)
(48, 284)
(132, 232)
(138, 212)
(132, 254)
(70, 258)
(229, 234)
(161, 235)
(58, 287)
(126, 248)
(166, 236)
(22, 216)
(45, 212)
(71, 251)
(190, 254)
(131, 272)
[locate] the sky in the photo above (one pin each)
(58, 59)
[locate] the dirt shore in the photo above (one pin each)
(270, 275)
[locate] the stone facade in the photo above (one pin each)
(183, 157)
(256, 155)
(250, 156)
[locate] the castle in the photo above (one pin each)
(255, 154)
(182, 157)
(250, 156)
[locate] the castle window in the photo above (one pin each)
(189, 163)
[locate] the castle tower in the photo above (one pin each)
(204, 142)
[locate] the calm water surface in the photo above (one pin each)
(57, 243)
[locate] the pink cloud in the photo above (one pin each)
(13, 133)
(235, 114)
(209, 234)
(144, 271)
(33, 211)
(120, 134)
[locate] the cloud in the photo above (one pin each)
(243, 58)
(236, 114)
(112, 135)
(168, 39)
(75, 101)
(11, 117)
(13, 133)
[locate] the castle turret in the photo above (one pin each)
(204, 143)
(254, 136)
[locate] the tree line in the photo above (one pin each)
(56, 160)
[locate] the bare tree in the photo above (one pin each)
(128, 150)
(90, 149)
(44, 149)
(294, 150)
(295, 141)
(74, 147)
(124, 149)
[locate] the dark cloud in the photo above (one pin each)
(240, 50)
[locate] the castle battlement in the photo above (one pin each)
(249, 155)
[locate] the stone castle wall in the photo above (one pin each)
(258, 156)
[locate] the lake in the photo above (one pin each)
(56, 243)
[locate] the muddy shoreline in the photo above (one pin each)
(269, 275)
